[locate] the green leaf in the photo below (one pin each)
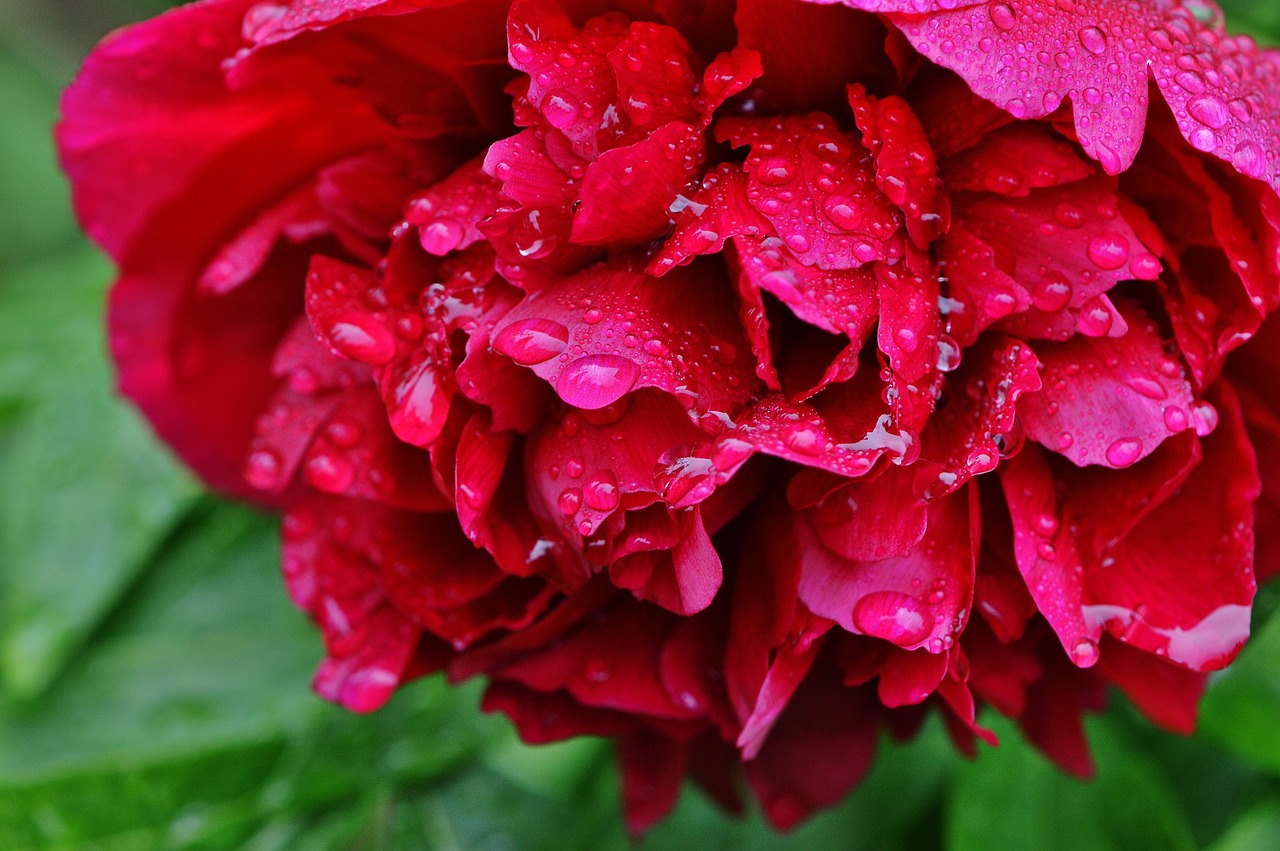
(1259, 830)
(1012, 797)
(86, 492)
(1243, 702)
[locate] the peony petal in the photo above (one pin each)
(653, 767)
(1068, 245)
(820, 747)
(1165, 693)
(1217, 286)
(1102, 56)
(1110, 400)
(678, 333)
(906, 168)
(682, 573)
(817, 187)
(968, 436)
(872, 518)
(627, 194)
(918, 599)
(1014, 161)
(1188, 596)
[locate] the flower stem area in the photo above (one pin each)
(154, 675)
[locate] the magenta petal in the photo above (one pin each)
(908, 678)
(819, 748)
(918, 599)
(906, 168)
(1067, 245)
(627, 194)
(446, 215)
(1188, 596)
(1109, 400)
(1015, 160)
(669, 560)
(785, 675)
(578, 473)
(720, 209)
(873, 518)
(967, 437)
(1097, 48)
(816, 185)
(794, 38)
(678, 333)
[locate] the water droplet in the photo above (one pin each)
(1109, 251)
(896, 617)
(842, 212)
(1093, 40)
(601, 491)
(570, 501)
(1002, 16)
(530, 342)
(363, 339)
(262, 469)
(1148, 387)
(1176, 419)
(1145, 266)
(1045, 525)
(1124, 452)
(441, 236)
(1210, 111)
(330, 473)
(949, 354)
(595, 381)
(1085, 654)
(775, 171)
(1204, 417)
(803, 439)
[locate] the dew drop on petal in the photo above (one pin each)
(1085, 654)
(441, 236)
(1204, 417)
(363, 339)
(1093, 40)
(330, 473)
(530, 342)
(1176, 419)
(570, 501)
(1109, 251)
(595, 381)
(262, 469)
(1124, 452)
(896, 617)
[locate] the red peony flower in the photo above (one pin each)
(734, 379)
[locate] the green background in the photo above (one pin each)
(153, 676)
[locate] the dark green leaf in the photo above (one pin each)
(87, 494)
(1012, 797)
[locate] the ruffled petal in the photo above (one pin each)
(1103, 56)
(1111, 400)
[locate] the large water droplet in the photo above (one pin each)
(1210, 111)
(1109, 251)
(1124, 452)
(601, 491)
(441, 236)
(530, 342)
(1002, 16)
(330, 473)
(896, 617)
(363, 339)
(595, 381)
(1093, 40)
(262, 469)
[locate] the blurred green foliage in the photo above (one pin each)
(153, 677)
